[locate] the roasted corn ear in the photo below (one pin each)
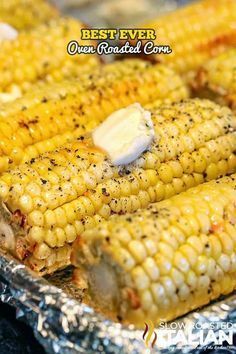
(191, 40)
(46, 118)
(165, 261)
(217, 79)
(40, 56)
(47, 202)
(26, 14)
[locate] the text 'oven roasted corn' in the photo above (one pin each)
(26, 14)
(47, 118)
(195, 33)
(40, 56)
(165, 261)
(49, 201)
(217, 79)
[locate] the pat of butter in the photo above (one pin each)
(125, 134)
(7, 32)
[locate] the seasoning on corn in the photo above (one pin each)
(195, 33)
(48, 60)
(46, 118)
(165, 261)
(217, 79)
(52, 199)
(26, 14)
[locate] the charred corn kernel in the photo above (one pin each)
(55, 261)
(64, 111)
(25, 14)
(198, 270)
(217, 79)
(59, 203)
(44, 66)
(191, 44)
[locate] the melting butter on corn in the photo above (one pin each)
(125, 134)
(7, 32)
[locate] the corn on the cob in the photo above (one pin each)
(217, 79)
(40, 55)
(53, 198)
(47, 118)
(195, 33)
(165, 261)
(25, 14)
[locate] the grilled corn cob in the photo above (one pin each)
(50, 200)
(47, 118)
(191, 40)
(165, 261)
(25, 14)
(40, 56)
(217, 79)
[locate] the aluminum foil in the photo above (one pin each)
(63, 324)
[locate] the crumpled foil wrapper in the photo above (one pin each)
(62, 324)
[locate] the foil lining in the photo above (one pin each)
(62, 324)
